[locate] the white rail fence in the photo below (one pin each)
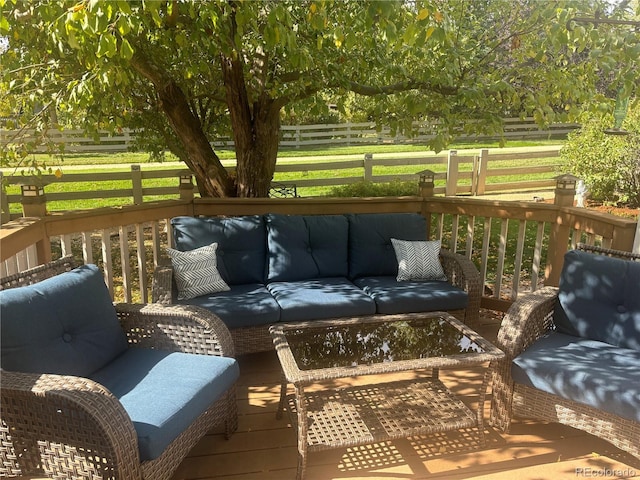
(292, 136)
(473, 173)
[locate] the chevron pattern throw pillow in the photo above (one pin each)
(418, 260)
(196, 272)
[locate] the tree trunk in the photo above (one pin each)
(256, 132)
(211, 176)
(257, 160)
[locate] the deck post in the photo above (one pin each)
(565, 192)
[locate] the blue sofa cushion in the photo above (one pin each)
(66, 325)
(320, 298)
(392, 296)
(164, 392)
(586, 371)
(599, 298)
(370, 250)
(242, 306)
(241, 243)
(305, 247)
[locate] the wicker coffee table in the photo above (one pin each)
(312, 352)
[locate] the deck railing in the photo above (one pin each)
(517, 246)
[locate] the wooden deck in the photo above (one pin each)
(264, 447)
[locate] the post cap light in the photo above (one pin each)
(566, 182)
(31, 190)
(186, 179)
(427, 176)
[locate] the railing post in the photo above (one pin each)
(5, 214)
(560, 231)
(426, 185)
(636, 240)
(186, 185)
(34, 201)
(368, 167)
(481, 180)
(136, 183)
(452, 174)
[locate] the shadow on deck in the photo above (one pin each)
(265, 448)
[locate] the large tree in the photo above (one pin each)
(183, 71)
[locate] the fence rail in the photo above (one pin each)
(471, 173)
(292, 136)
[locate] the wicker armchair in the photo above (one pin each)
(527, 320)
(62, 426)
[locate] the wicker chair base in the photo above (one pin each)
(529, 402)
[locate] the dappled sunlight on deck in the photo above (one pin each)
(264, 447)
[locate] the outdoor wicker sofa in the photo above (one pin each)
(573, 352)
(57, 422)
(284, 268)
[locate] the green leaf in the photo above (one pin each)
(72, 40)
(126, 50)
(107, 46)
(4, 25)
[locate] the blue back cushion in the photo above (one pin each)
(241, 244)
(599, 299)
(306, 247)
(65, 325)
(370, 250)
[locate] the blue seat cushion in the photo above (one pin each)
(599, 298)
(164, 392)
(301, 247)
(370, 250)
(242, 306)
(65, 325)
(241, 251)
(586, 371)
(320, 298)
(392, 296)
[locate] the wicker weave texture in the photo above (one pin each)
(39, 273)
(69, 427)
(530, 317)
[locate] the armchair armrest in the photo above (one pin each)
(162, 285)
(177, 328)
(462, 273)
(66, 426)
(528, 318)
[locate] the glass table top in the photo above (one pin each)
(377, 342)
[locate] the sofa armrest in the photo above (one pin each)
(78, 419)
(162, 285)
(462, 273)
(528, 318)
(177, 328)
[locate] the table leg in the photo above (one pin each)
(283, 397)
(303, 428)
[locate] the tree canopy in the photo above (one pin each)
(185, 72)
